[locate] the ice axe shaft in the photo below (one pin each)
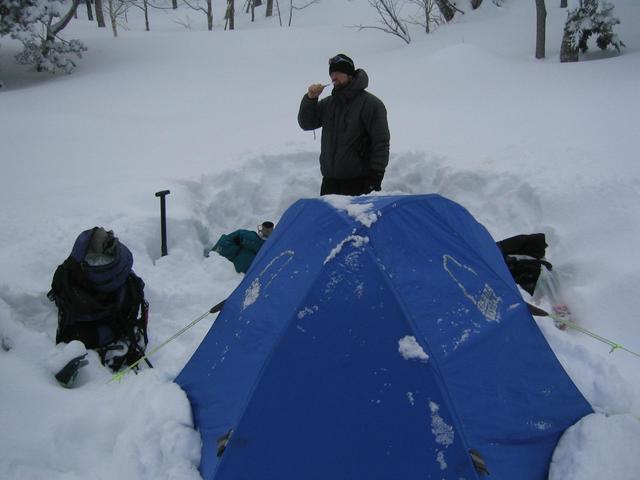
(163, 220)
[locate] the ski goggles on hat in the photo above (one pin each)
(338, 59)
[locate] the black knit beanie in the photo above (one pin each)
(342, 63)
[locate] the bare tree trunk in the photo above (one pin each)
(427, 7)
(475, 3)
(89, 10)
(100, 14)
(427, 16)
(254, 4)
(114, 20)
(563, 3)
(174, 4)
(230, 15)
(269, 9)
(209, 15)
(541, 28)
(446, 9)
(145, 4)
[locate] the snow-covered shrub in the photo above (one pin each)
(51, 56)
(588, 19)
(37, 23)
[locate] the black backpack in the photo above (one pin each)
(101, 300)
(524, 256)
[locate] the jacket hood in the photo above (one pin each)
(359, 82)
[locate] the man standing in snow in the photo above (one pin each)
(354, 149)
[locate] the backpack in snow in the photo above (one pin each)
(101, 300)
(524, 256)
(239, 247)
(227, 246)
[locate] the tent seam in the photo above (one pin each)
(268, 360)
(439, 376)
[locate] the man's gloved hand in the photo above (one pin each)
(375, 181)
(208, 248)
(315, 90)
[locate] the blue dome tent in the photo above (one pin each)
(381, 338)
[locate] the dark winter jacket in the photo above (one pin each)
(355, 133)
(240, 247)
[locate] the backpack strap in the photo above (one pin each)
(132, 323)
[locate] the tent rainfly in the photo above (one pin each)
(378, 337)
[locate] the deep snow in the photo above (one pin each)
(525, 145)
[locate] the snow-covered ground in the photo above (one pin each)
(526, 145)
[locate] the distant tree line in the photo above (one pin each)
(589, 18)
(37, 24)
(396, 16)
(117, 10)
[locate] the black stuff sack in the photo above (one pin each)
(101, 300)
(524, 256)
